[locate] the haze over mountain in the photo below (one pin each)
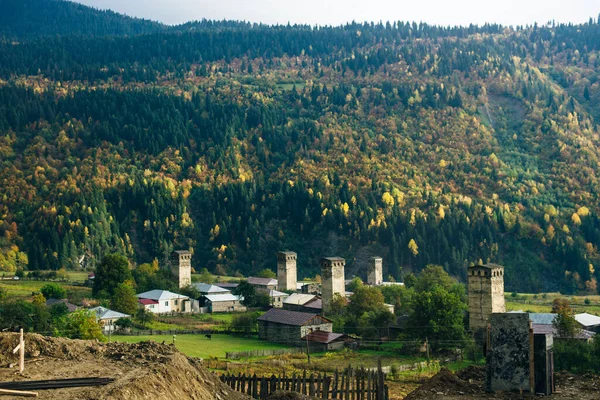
(418, 143)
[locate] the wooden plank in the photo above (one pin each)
(334, 390)
(264, 388)
(20, 393)
(273, 384)
(319, 389)
(255, 387)
(326, 386)
(311, 385)
(304, 382)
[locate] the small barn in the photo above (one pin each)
(588, 322)
(223, 303)
(284, 326)
(326, 341)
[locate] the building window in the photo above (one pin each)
(176, 302)
(166, 304)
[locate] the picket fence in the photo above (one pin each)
(351, 384)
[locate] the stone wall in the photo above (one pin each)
(510, 355)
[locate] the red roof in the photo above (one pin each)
(147, 301)
(323, 337)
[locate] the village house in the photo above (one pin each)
(223, 302)
(206, 288)
(163, 301)
(297, 301)
(107, 318)
(263, 283)
(227, 285)
(588, 322)
(326, 341)
(277, 298)
(285, 326)
(70, 307)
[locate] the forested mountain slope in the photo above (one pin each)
(21, 19)
(417, 143)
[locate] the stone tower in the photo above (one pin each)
(332, 280)
(181, 267)
(287, 274)
(486, 294)
(375, 272)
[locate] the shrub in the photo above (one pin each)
(53, 291)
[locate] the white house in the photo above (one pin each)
(107, 318)
(163, 301)
(588, 321)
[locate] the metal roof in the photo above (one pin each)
(71, 307)
(159, 295)
(262, 281)
(334, 259)
(299, 299)
(105, 313)
(323, 337)
(549, 330)
(586, 319)
(538, 318)
(316, 304)
(289, 253)
(207, 288)
(277, 293)
(182, 252)
(215, 298)
(286, 317)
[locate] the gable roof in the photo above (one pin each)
(215, 298)
(105, 313)
(586, 319)
(71, 307)
(227, 285)
(262, 281)
(316, 304)
(182, 252)
(159, 295)
(286, 317)
(207, 288)
(488, 266)
(277, 293)
(323, 337)
(299, 299)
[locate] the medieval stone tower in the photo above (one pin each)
(375, 271)
(287, 274)
(332, 280)
(181, 267)
(486, 294)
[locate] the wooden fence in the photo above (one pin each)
(237, 355)
(351, 384)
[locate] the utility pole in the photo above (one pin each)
(307, 347)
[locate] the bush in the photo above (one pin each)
(124, 323)
(53, 291)
(587, 302)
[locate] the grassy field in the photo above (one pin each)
(72, 276)
(542, 303)
(199, 346)
(24, 289)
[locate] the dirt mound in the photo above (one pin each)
(283, 395)
(472, 373)
(145, 370)
(444, 383)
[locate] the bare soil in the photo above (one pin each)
(469, 384)
(146, 370)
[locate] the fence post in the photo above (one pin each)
(326, 385)
(255, 386)
(273, 385)
(334, 389)
(311, 385)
